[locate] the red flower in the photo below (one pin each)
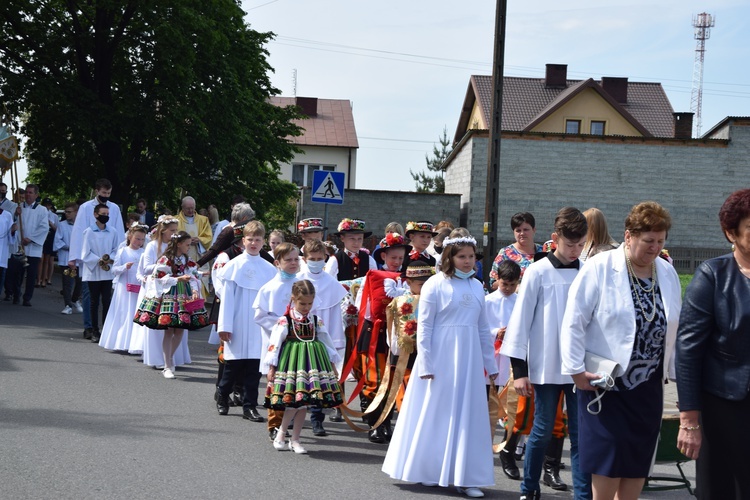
(394, 239)
(352, 310)
(164, 320)
(161, 274)
(144, 317)
(406, 308)
(271, 348)
(410, 327)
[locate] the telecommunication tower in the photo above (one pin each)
(702, 24)
(294, 82)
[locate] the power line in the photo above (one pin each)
(395, 140)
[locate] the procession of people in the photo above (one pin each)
(554, 346)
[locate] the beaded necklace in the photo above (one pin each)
(637, 283)
(299, 325)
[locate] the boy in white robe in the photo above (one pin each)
(242, 278)
(532, 341)
(327, 306)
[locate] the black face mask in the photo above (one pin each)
(2, 196)
(103, 218)
(439, 250)
(104, 199)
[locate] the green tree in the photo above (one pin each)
(162, 98)
(427, 183)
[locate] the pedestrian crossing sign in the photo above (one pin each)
(328, 187)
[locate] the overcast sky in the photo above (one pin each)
(406, 64)
(365, 52)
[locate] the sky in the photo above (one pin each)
(406, 65)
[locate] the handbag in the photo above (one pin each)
(606, 369)
(132, 287)
(196, 305)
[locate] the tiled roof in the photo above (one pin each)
(524, 99)
(333, 126)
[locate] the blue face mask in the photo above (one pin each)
(316, 266)
(463, 275)
(287, 276)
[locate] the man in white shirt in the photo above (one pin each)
(34, 226)
(85, 219)
(6, 204)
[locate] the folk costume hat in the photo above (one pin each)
(352, 226)
(391, 240)
(418, 270)
(310, 225)
(420, 227)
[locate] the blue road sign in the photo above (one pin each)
(328, 187)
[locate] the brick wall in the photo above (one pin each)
(378, 208)
(541, 174)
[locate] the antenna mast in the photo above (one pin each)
(702, 24)
(294, 82)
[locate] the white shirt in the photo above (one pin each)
(6, 239)
(35, 227)
(86, 219)
(61, 245)
(96, 244)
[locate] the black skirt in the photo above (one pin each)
(620, 440)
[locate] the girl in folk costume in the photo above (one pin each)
(143, 339)
(375, 294)
(118, 326)
(171, 289)
(420, 236)
(241, 281)
(327, 307)
(301, 372)
(442, 436)
(271, 303)
(402, 328)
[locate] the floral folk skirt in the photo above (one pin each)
(169, 311)
(304, 377)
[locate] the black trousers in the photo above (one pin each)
(247, 373)
(14, 279)
(99, 291)
(723, 467)
(31, 273)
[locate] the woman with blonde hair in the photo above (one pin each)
(598, 236)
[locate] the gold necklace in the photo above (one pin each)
(636, 282)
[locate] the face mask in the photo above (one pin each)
(104, 199)
(439, 250)
(103, 219)
(2, 196)
(463, 275)
(316, 266)
(287, 276)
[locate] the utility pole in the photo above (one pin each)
(492, 200)
(702, 24)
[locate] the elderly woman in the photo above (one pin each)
(522, 251)
(624, 306)
(713, 362)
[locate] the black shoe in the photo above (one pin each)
(376, 436)
(336, 417)
(222, 406)
(318, 430)
(252, 415)
(95, 336)
(387, 431)
(217, 393)
(510, 468)
(551, 478)
(88, 333)
(272, 433)
(236, 399)
(7, 298)
(534, 495)
(26, 303)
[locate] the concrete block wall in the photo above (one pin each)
(540, 175)
(378, 208)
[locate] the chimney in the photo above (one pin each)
(308, 105)
(556, 76)
(616, 87)
(683, 125)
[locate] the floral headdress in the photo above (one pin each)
(352, 226)
(167, 219)
(391, 240)
(463, 240)
(420, 227)
(310, 225)
(418, 269)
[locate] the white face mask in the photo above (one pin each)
(316, 266)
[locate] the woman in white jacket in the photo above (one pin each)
(624, 306)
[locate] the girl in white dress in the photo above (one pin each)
(442, 436)
(119, 325)
(145, 340)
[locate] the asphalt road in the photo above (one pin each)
(79, 422)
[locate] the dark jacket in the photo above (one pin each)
(713, 339)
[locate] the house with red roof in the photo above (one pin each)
(329, 141)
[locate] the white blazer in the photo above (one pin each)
(600, 314)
